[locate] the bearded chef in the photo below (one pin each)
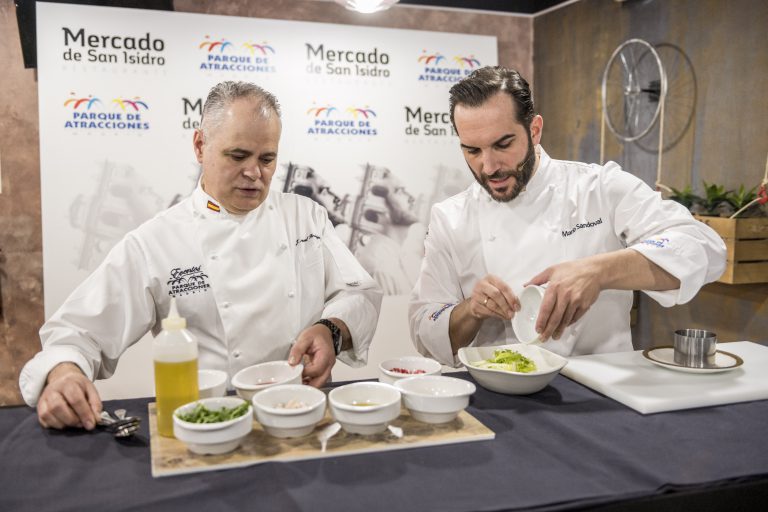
(258, 274)
(590, 233)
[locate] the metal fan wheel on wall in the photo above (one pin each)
(680, 102)
(632, 93)
(633, 90)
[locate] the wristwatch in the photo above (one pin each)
(335, 333)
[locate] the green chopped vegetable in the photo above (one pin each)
(201, 414)
(507, 360)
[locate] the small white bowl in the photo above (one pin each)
(408, 363)
(347, 406)
(524, 321)
(212, 383)
(548, 365)
(213, 438)
(435, 398)
(280, 421)
(249, 381)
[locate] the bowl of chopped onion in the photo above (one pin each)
(212, 426)
(515, 369)
(289, 410)
(392, 370)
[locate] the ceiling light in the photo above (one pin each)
(367, 6)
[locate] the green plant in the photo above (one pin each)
(742, 197)
(686, 197)
(719, 201)
(714, 196)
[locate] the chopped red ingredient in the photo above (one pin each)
(409, 372)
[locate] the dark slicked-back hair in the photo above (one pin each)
(485, 82)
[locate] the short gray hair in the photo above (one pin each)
(222, 95)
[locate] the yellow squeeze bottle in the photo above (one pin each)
(174, 352)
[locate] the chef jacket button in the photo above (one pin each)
(271, 207)
(226, 305)
(283, 247)
(236, 354)
(492, 238)
(214, 257)
(291, 294)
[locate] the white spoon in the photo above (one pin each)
(328, 432)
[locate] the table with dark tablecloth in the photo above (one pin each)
(565, 447)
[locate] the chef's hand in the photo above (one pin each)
(314, 347)
(572, 288)
(69, 399)
(491, 297)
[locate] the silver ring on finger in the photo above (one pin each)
(485, 302)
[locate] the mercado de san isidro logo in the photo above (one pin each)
(353, 62)
(223, 55)
(351, 121)
(420, 121)
(111, 48)
(120, 113)
(441, 68)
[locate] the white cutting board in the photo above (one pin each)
(629, 378)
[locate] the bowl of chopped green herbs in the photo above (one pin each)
(213, 425)
(516, 369)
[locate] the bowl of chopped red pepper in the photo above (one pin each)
(392, 370)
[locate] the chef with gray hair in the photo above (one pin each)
(259, 275)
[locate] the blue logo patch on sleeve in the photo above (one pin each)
(434, 316)
(661, 243)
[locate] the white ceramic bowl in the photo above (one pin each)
(349, 409)
(435, 398)
(213, 438)
(281, 421)
(249, 381)
(548, 365)
(524, 321)
(408, 363)
(212, 383)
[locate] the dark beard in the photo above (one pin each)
(522, 175)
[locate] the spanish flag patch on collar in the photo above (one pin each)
(213, 206)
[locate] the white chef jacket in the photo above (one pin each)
(568, 211)
(247, 285)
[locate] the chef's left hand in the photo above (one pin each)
(572, 288)
(314, 347)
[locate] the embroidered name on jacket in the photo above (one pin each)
(184, 281)
(307, 239)
(569, 232)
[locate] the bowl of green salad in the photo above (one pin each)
(213, 426)
(512, 369)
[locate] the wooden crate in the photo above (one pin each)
(746, 241)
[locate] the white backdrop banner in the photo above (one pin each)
(366, 130)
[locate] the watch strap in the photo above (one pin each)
(335, 333)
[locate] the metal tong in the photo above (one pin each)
(119, 426)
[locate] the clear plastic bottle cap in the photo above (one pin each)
(173, 321)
